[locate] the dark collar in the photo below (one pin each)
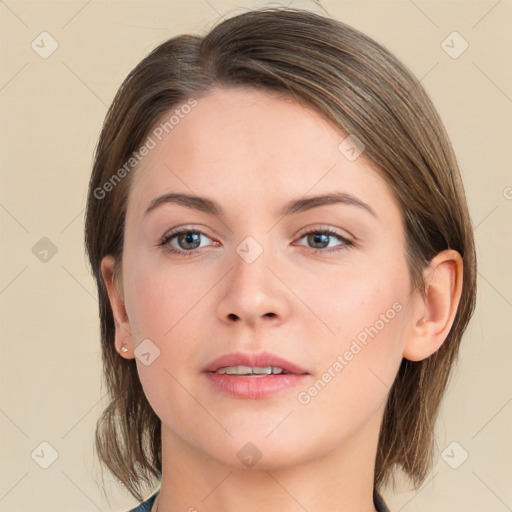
(379, 502)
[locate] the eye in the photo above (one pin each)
(184, 242)
(320, 239)
(187, 241)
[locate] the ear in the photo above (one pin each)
(435, 312)
(123, 336)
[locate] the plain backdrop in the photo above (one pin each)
(62, 63)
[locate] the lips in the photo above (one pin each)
(260, 360)
(246, 376)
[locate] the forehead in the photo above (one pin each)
(245, 146)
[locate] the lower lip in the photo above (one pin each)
(254, 387)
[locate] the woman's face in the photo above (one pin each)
(262, 268)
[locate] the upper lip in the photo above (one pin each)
(261, 359)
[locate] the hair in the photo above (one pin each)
(360, 87)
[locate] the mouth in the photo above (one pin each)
(254, 371)
(253, 376)
(262, 363)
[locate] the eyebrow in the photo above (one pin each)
(205, 205)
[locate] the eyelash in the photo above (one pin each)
(164, 242)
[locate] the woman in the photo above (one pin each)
(285, 266)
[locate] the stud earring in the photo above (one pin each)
(124, 348)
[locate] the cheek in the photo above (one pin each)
(160, 299)
(167, 307)
(368, 316)
(357, 369)
(359, 304)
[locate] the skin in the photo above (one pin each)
(251, 152)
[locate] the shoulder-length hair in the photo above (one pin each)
(361, 88)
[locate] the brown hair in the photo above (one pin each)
(363, 89)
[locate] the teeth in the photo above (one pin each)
(250, 370)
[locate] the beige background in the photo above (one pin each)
(52, 110)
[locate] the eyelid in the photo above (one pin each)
(171, 234)
(347, 241)
(186, 229)
(327, 228)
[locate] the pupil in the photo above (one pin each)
(189, 239)
(320, 238)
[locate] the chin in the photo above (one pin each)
(262, 453)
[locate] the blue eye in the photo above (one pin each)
(189, 241)
(321, 237)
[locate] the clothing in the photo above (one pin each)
(380, 505)
(146, 505)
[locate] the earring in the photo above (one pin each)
(124, 348)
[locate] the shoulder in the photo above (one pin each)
(145, 506)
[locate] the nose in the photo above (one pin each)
(252, 293)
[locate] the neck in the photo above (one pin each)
(340, 480)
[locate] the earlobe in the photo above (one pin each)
(123, 335)
(437, 309)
